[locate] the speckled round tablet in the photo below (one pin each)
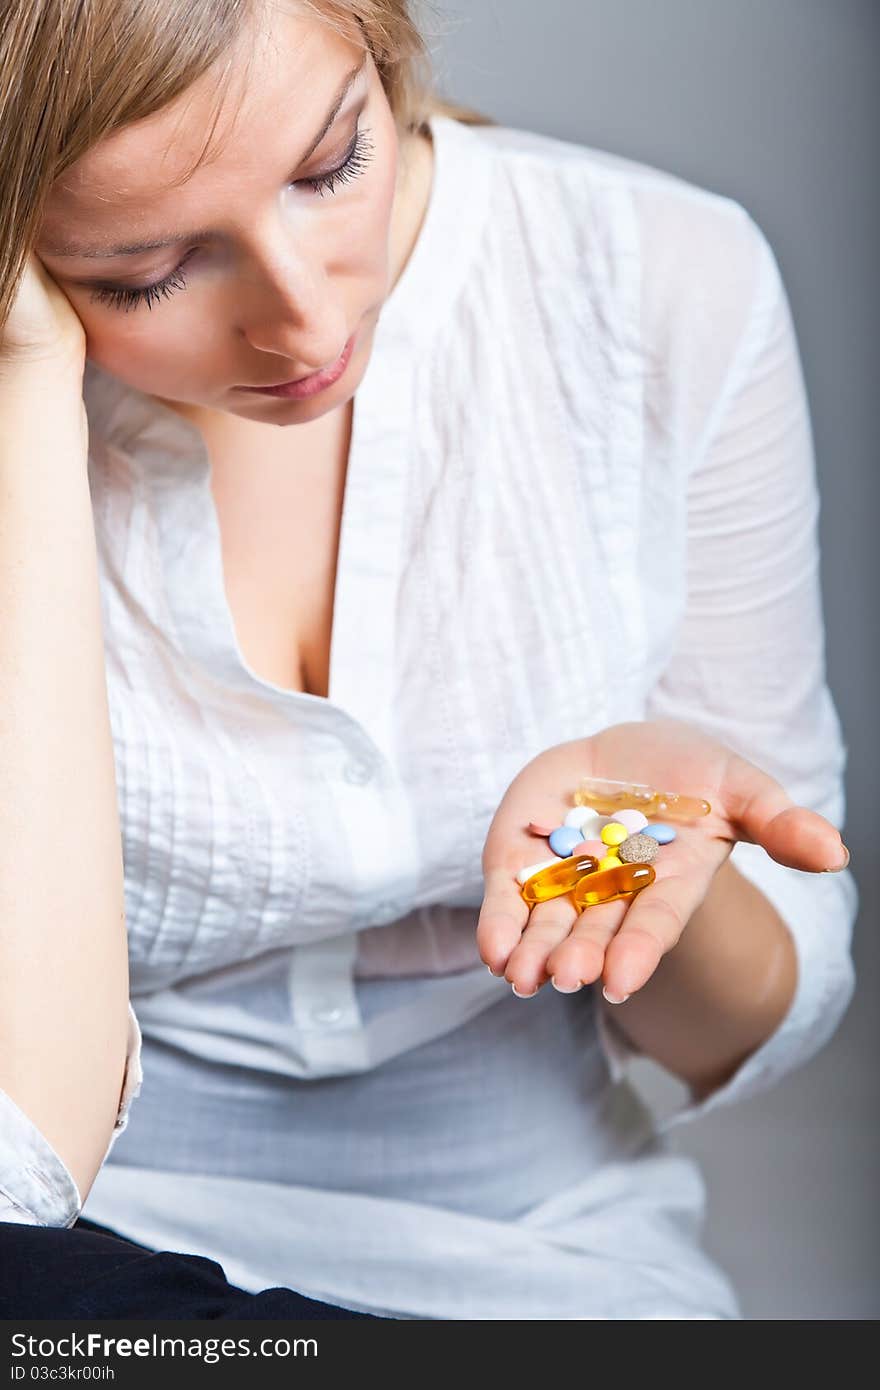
(638, 849)
(660, 832)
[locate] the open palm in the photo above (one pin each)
(624, 941)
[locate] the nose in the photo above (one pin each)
(288, 310)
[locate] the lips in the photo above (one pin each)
(294, 381)
(297, 381)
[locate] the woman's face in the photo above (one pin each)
(283, 249)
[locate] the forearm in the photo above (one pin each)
(63, 953)
(720, 992)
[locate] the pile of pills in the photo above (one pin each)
(590, 843)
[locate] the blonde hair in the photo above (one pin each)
(74, 71)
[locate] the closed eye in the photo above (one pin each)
(128, 297)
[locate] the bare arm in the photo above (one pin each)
(721, 993)
(63, 949)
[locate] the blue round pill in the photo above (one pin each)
(563, 840)
(659, 832)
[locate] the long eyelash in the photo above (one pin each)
(124, 297)
(354, 164)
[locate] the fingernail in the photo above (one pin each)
(491, 971)
(574, 989)
(524, 996)
(838, 868)
(614, 998)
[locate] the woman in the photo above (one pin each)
(548, 509)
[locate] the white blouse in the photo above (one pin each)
(581, 489)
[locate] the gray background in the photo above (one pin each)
(774, 104)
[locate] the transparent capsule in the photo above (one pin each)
(609, 796)
(557, 879)
(610, 884)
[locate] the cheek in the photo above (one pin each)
(356, 239)
(382, 176)
(131, 346)
(388, 170)
(375, 222)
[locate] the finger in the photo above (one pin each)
(763, 812)
(580, 958)
(653, 924)
(502, 918)
(549, 923)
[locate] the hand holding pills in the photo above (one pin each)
(574, 892)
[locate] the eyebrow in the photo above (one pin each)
(67, 248)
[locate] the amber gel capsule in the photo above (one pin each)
(608, 796)
(610, 884)
(557, 879)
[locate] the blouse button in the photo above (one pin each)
(357, 771)
(326, 1015)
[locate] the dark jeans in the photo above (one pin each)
(88, 1271)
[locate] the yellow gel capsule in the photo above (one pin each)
(608, 885)
(613, 833)
(608, 796)
(557, 879)
(610, 861)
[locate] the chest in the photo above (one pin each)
(488, 609)
(279, 511)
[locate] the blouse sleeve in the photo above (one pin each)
(36, 1186)
(748, 663)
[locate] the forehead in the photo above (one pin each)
(273, 80)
